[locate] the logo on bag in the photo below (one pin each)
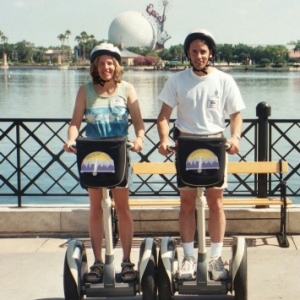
(97, 162)
(202, 159)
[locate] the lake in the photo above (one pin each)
(34, 93)
(51, 93)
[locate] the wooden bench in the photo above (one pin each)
(266, 167)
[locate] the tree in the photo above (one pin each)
(297, 46)
(139, 60)
(177, 52)
(150, 60)
(82, 40)
(226, 52)
(4, 39)
(243, 53)
(62, 38)
(136, 50)
(25, 51)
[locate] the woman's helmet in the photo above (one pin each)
(106, 49)
(201, 34)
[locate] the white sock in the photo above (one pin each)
(216, 249)
(188, 249)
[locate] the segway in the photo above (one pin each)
(103, 163)
(200, 162)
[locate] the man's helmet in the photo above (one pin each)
(201, 34)
(106, 49)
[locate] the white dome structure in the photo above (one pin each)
(132, 29)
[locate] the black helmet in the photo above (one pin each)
(106, 49)
(201, 34)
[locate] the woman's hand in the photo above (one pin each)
(70, 147)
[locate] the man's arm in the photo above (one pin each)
(163, 128)
(236, 126)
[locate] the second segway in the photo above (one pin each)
(200, 162)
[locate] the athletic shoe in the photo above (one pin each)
(188, 269)
(216, 269)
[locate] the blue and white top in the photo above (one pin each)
(106, 116)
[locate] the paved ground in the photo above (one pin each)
(31, 268)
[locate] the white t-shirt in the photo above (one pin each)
(203, 102)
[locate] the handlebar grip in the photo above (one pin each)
(73, 147)
(129, 145)
(171, 148)
(227, 146)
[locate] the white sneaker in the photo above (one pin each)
(188, 269)
(216, 269)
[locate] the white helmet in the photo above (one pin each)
(202, 34)
(106, 49)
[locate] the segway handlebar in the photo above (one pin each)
(129, 145)
(174, 148)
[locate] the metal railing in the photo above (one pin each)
(33, 163)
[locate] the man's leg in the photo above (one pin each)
(216, 227)
(187, 227)
(217, 220)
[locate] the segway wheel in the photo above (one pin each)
(73, 286)
(164, 284)
(148, 281)
(240, 282)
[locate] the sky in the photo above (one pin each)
(251, 22)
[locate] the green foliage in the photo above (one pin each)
(264, 62)
(276, 55)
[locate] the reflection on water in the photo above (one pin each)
(51, 93)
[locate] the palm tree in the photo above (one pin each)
(3, 39)
(67, 34)
(82, 39)
(62, 38)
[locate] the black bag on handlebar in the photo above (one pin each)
(102, 162)
(201, 161)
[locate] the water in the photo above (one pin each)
(26, 93)
(51, 93)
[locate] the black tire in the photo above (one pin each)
(149, 279)
(73, 291)
(165, 288)
(240, 282)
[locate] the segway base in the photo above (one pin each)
(120, 289)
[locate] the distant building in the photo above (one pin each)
(292, 53)
(132, 29)
(127, 57)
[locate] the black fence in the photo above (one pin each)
(33, 163)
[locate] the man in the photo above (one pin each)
(203, 96)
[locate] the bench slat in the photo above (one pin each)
(154, 168)
(257, 167)
(237, 202)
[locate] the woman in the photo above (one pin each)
(106, 102)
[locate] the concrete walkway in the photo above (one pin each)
(31, 268)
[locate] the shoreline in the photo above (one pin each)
(152, 69)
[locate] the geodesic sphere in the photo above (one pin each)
(132, 29)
